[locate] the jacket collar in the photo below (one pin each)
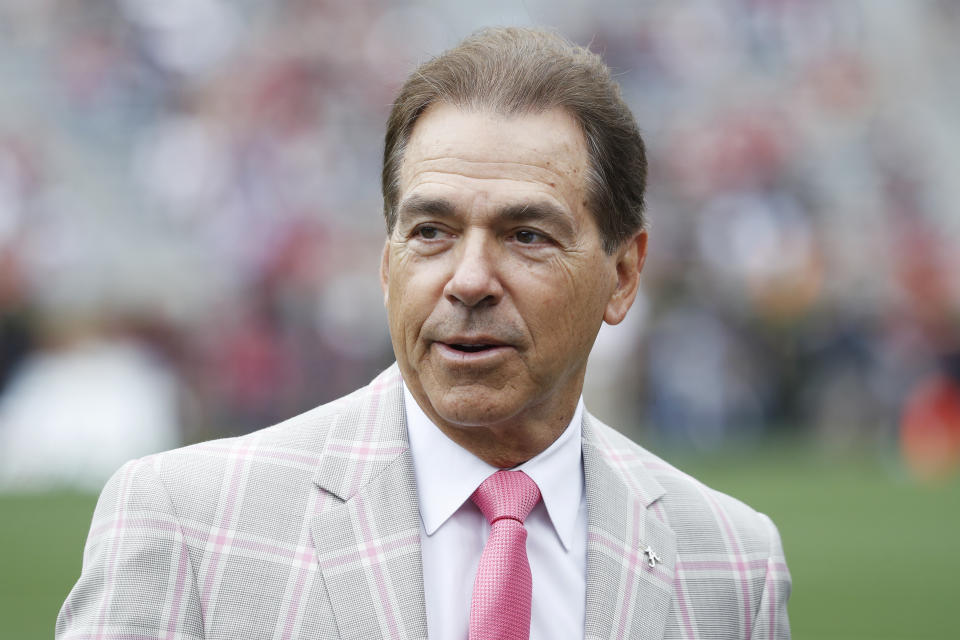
(368, 547)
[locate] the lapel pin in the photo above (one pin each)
(652, 558)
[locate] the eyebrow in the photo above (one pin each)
(420, 205)
(538, 211)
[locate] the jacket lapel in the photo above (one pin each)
(368, 547)
(626, 596)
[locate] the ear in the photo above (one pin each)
(385, 270)
(630, 258)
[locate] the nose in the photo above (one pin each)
(475, 279)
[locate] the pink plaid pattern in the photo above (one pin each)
(310, 529)
(502, 591)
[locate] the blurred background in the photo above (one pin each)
(190, 231)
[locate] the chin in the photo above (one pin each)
(474, 408)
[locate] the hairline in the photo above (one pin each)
(592, 185)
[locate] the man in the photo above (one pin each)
(513, 190)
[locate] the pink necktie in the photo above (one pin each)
(502, 591)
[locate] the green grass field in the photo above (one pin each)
(873, 554)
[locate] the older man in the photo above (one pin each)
(465, 492)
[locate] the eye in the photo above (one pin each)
(427, 232)
(526, 236)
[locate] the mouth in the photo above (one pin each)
(470, 347)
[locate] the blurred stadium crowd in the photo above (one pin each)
(190, 218)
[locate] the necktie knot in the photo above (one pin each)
(506, 494)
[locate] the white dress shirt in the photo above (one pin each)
(453, 532)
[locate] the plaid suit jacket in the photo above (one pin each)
(310, 529)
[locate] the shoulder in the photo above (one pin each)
(724, 559)
(702, 518)
(272, 466)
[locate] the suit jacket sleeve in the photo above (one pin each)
(771, 621)
(137, 578)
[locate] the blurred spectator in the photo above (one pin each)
(16, 327)
(930, 428)
(82, 406)
(213, 166)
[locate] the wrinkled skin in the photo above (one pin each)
(495, 279)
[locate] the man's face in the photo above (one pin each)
(494, 277)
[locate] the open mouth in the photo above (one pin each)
(472, 348)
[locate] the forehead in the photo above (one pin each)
(483, 150)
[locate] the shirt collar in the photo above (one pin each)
(447, 474)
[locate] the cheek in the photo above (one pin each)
(411, 303)
(580, 289)
(574, 314)
(556, 315)
(405, 315)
